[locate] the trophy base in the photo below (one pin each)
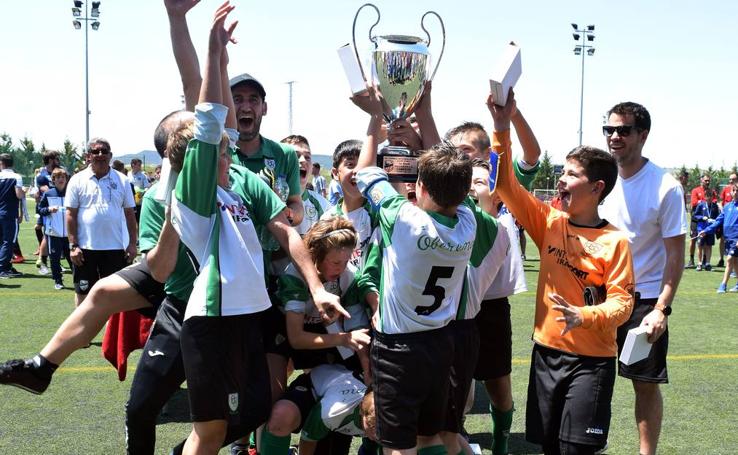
(400, 164)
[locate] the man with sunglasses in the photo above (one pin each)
(648, 203)
(99, 204)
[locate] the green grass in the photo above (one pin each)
(82, 411)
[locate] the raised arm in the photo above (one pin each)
(370, 103)
(184, 51)
(426, 123)
(528, 141)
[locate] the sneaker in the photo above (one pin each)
(17, 259)
(733, 275)
(239, 449)
(721, 263)
(58, 286)
(707, 267)
(12, 273)
(23, 374)
(689, 265)
(698, 268)
(722, 288)
(43, 270)
(734, 288)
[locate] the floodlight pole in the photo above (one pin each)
(79, 20)
(87, 77)
(289, 107)
(585, 33)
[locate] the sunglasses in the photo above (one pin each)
(623, 130)
(97, 152)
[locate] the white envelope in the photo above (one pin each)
(636, 346)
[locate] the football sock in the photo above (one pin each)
(43, 367)
(501, 424)
(433, 450)
(274, 445)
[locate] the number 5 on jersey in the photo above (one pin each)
(434, 290)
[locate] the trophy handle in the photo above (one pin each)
(443, 31)
(373, 40)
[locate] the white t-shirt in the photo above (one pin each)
(511, 277)
(649, 207)
(139, 180)
(100, 219)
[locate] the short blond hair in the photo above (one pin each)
(331, 234)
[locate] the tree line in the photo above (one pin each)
(546, 177)
(27, 158)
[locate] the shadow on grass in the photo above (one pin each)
(517, 444)
(177, 409)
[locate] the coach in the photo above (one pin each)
(100, 221)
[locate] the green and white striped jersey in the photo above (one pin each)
(489, 254)
(363, 224)
(339, 394)
(294, 295)
(218, 225)
(423, 257)
(314, 206)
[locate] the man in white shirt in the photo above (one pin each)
(140, 183)
(99, 204)
(11, 194)
(648, 204)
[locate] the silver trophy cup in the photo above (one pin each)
(400, 66)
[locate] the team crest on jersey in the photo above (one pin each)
(376, 195)
(311, 212)
(592, 247)
(270, 163)
(233, 402)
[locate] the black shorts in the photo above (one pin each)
(162, 350)
(495, 340)
(97, 264)
(653, 367)
(139, 277)
(730, 248)
(707, 240)
(225, 366)
(466, 348)
(300, 392)
(275, 333)
(569, 398)
(411, 382)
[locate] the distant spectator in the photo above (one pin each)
(697, 195)
(119, 166)
(728, 221)
(319, 183)
(683, 179)
(704, 214)
(157, 173)
(98, 201)
(140, 183)
(11, 193)
(51, 207)
(334, 192)
(725, 199)
(43, 184)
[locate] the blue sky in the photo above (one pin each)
(677, 58)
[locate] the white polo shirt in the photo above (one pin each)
(100, 219)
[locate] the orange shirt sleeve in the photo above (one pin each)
(528, 210)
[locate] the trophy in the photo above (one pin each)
(400, 66)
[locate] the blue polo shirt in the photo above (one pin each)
(9, 202)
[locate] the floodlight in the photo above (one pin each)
(591, 28)
(96, 5)
(77, 24)
(77, 3)
(95, 25)
(95, 13)
(590, 37)
(590, 51)
(576, 36)
(574, 26)
(76, 12)
(577, 50)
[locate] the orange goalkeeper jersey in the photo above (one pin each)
(590, 267)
